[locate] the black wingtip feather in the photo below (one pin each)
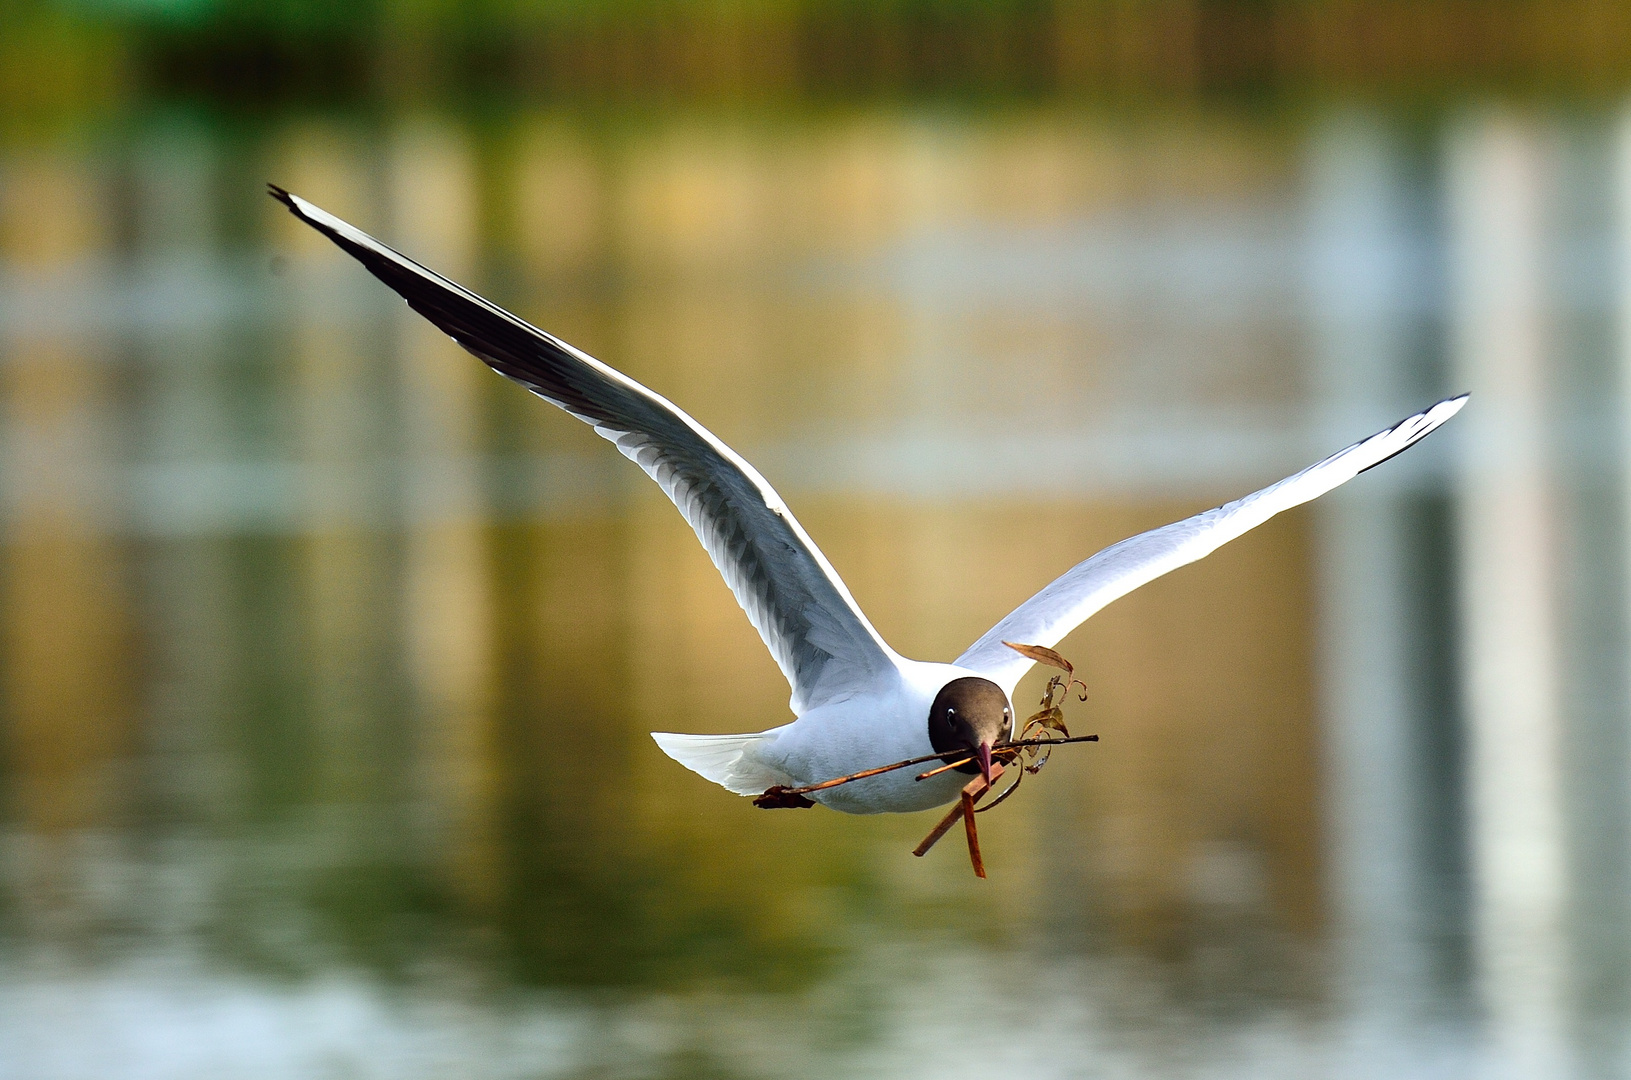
(510, 345)
(1418, 438)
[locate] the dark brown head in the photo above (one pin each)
(970, 715)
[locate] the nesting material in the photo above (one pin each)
(964, 809)
(1042, 732)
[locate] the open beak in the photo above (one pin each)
(984, 754)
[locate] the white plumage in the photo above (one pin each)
(858, 703)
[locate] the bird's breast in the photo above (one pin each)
(858, 734)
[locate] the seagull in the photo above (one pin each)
(857, 703)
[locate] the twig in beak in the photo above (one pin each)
(939, 830)
(1019, 778)
(943, 768)
(825, 784)
(1007, 753)
(974, 790)
(973, 835)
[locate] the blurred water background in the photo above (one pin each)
(327, 657)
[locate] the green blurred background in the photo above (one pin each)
(102, 57)
(327, 658)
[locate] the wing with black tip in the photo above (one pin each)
(1080, 592)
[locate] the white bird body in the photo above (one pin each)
(859, 704)
(856, 733)
(844, 736)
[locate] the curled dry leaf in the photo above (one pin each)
(1051, 719)
(1042, 655)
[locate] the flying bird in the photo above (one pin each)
(858, 703)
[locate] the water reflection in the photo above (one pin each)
(328, 658)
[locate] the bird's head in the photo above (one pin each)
(970, 715)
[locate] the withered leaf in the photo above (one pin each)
(1052, 718)
(1043, 655)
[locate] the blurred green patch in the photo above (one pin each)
(75, 57)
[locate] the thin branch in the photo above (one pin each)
(975, 789)
(973, 834)
(943, 768)
(997, 752)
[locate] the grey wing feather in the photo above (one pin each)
(1080, 592)
(793, 597)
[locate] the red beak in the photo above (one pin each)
(985, 762)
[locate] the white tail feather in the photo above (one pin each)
(727, 760)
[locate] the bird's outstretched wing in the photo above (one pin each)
(791, 594)
(1119, 569)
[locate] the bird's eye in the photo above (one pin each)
(951, 713)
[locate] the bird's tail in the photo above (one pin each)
(730, 761)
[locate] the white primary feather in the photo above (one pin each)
(1075, 596)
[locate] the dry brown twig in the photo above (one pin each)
(1042, 732)
(973, 792)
